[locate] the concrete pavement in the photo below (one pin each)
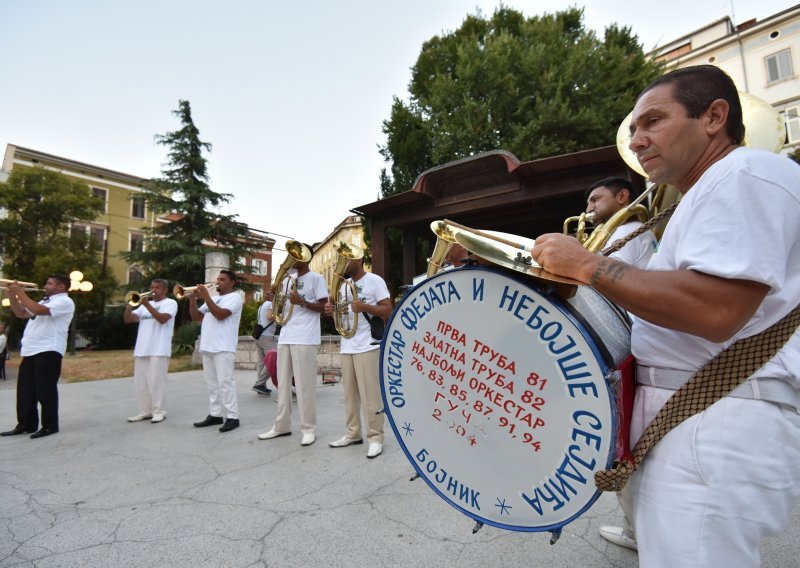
(104, 492)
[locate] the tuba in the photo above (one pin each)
(284, 284)
(445, 239)
(340, 286)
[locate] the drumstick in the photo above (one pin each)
(490, 237)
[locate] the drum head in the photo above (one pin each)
(497, 395)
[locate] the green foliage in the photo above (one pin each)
(249, 318)
(106, 330)
(184, 337)
(178, 248)
(538, 87)
(35, 242)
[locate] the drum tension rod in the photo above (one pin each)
(478, 526)
(554, 536)
(413, 477)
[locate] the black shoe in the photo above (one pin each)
(209, 421)
(261, 389)
(17, 431)
(43, 432)
(229, 425)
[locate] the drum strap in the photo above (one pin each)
(716, 379)
(660, 218)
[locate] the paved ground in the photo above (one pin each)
(104, 492)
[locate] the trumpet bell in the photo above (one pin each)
(445, 239)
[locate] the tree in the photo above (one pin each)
(538, 87)
(35, 242)
(178, 248)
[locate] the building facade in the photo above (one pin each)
(762, 58)
(351, 231)
(122, 225)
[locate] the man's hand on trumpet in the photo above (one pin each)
(202, 292)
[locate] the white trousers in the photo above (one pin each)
(362, 388)
(218, 371)
(716, 484)
(150, 379)
(299, 361)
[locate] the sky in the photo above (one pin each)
(291, 94)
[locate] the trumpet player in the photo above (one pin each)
(360, 359)
(44, 342)
(297, 356)
(604, 198)
(219, 334)
(156, 317)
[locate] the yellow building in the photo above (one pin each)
(125, 217)
(350, 231)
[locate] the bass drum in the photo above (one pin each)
(498, 394)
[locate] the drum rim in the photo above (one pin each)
(604, 367)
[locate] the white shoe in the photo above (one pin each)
(616, 535)
(139, 417)
(344, 441)
(375, 449)
(158, 417)
(308, 439)
(272, 434)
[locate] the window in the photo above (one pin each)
(357, 240)
(258, 293)
(259, 267)
(102, 194)
(779, 66)
(99, 235)
(77, 230)
(137, 207)
(136, 242)
(135, 275)
(792, 115)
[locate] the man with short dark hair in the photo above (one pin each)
(605, 198)
(727, 268)
(219, 335)
(156, 317)
(44, 343)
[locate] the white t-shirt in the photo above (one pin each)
(49, 333)
(3, 342)
(155, 339)
(221, 335)
(303, 327)
(261, 318)
(370, 289)
(740, 220)
(637, 252)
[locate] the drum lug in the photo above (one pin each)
(478, 526)
(554, 536)
(613, 376)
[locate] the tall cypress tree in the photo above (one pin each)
(177, 249)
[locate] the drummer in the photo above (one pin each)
(727, 268)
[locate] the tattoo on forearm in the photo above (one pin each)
(610, 268)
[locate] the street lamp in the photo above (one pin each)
(77, 284)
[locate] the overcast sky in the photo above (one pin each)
(291, 94)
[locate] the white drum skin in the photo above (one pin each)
(498, 397)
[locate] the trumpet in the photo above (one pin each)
(26, 286)
(135, 298)
(284, 284)
(341, 309)
(180, 292)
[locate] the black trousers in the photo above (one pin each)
(3, 365)
(36, 384)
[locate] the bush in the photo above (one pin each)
(183, 338)
(107, 330)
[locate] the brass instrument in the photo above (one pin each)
(764, 129)
(580, 230)
(135, 298)
(26, 286)
(284, 284)
(180, 292)
(339, 283)
(445, 239)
